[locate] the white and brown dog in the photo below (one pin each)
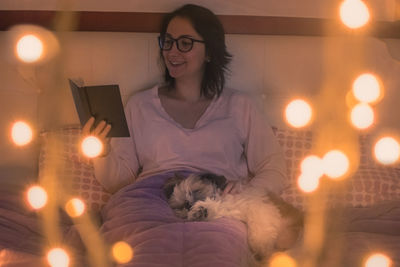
(272, 223)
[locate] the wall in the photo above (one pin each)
(278, 67)
(383, 9)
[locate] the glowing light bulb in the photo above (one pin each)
(366, 88)
(387, 150)
(335, 164)
(377, 260)
(298, 113)
(307, 183)
(281, 260)
(311, 166)
(92, 146)
(354, 13)
(75, 207)
(29, 48)
(58, 257)
(122, 252)
(362, 116)
(37, 197)
(21, 133)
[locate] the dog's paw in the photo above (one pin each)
(198, 214)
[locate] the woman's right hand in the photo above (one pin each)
(100, 131)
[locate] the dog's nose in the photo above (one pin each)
(187, 205)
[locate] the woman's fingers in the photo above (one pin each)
(228, 188)
(88, 125)
(101, 130)
(232, 188)
(105, 131)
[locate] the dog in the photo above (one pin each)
(272, 224)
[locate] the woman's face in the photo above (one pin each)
(184, 65)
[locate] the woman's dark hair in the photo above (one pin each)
(207, 24)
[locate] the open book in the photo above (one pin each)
(103, 102)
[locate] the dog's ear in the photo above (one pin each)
(170, 184)
(218, 180)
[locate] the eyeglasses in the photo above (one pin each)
(183, 43)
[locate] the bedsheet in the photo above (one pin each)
(139, 215)
(355, 233)
(19, 228)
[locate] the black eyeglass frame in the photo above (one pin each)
(160, 42)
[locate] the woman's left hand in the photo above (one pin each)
(232, 188)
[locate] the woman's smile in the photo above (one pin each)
(184, 64)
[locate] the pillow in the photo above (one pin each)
(296, 144)
(370, 184)
(75, 171)
(373, 182)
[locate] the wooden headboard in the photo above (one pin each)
(233, 24)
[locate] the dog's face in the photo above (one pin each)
(183, 192)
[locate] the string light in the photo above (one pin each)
(58, 257)
(354, 13)
(335, 164)
(282, 260)
(32, 44)
(366, 88)
(92, 146)
(312, 166)
(21, 133)
(362, 116)
(122, 252)
(378, 260)
(298, 113)
(37, 197)
(307, 183)
(387, 150)
(29, 48)
(75, 207)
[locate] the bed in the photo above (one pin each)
(360, 214)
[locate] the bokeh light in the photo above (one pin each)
(281, 260)
(92, 146)
(29, 48)
(75, 207)
(21, 133)
(307, 183)
(37, 197)
(366, 88)
(387, 150)
(31, 44)
(354, 13)
(335, 164)
(298, 113)
(362, 116)
(378, 260)
(122, 252)
(58, 257)
(311, 166)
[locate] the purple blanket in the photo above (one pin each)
(139, 214)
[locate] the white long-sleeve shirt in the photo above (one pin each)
(232, 138)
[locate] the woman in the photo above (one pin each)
(192, 123)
